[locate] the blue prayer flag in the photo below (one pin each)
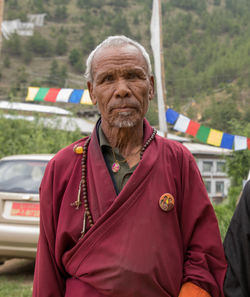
(227, 141)
(76, 96)
(171, 116)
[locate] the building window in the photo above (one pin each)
(219, 187)
(207, 166)
(220, 166)
(208, 186)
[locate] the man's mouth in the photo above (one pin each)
(123, 108)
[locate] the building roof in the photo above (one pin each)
(174, 137)
(33, 108)
(61, 123)
(204, 149)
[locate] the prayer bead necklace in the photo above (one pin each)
(83, 183)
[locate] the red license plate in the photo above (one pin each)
(25, 209)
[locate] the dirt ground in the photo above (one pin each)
(16, 268)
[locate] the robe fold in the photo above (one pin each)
(134, 249)
(237, 249)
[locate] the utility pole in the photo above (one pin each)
(162, 62)
(156, 44)
(1, 20)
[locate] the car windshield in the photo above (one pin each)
(21, 176)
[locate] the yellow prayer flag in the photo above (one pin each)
(215, 137)
(86, 98)
(32, 91)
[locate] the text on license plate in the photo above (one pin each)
(25, 209)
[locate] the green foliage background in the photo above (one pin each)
(238, 167)
(23, 137)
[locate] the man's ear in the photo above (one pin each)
(152, 87)
(91, 93)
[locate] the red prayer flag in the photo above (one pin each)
(51, 95)
(248, 143)
(193, 128)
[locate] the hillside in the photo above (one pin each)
(206, 51)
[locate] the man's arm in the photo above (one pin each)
(48, 279)
(204, 260)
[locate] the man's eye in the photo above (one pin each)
(108, 78)
(132, 75)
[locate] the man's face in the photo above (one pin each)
(121, 86)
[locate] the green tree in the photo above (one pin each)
(13, 46)
(61, 46)
(54, 74)
(6, 62)
(38, 4)
(88, 42)
(75, 59)
(239, 163)
(120, 25)
(74, 56)
(220, 113)
(39, 45)
(57, 76)
(58, 2)
(217, 2)
(61, 13)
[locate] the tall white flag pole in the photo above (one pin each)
(1, 20)
(156, 44)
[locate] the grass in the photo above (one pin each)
(16, 278)
(15, 288)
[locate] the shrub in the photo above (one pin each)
(39, 45)
(24, 137)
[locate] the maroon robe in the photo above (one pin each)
(134, 249)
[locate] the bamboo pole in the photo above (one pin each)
(1, 20)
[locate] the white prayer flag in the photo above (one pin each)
(156, 48)
(240, 143)
(63, 95)
(182, 123)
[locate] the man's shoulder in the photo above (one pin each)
(67, 154)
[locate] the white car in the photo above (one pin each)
(20, 178)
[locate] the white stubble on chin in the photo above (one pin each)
(123, 120)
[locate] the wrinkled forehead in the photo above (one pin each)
(118, 55)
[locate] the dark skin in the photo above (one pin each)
(122, 88)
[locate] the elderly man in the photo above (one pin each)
(124, 212)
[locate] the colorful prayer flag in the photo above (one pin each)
(171, 116)
(86, 98)
(181, 123)
(240, 143)
(51, 95)
(32, 91)
(76, 96)
(58, 95)
(248, 143)
(193, 128)
(227, 141)
(215, 137)
(63, 95)
(42, 92)
(203, 133)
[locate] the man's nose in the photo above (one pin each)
(122, 90)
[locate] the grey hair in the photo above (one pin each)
(115, 41)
